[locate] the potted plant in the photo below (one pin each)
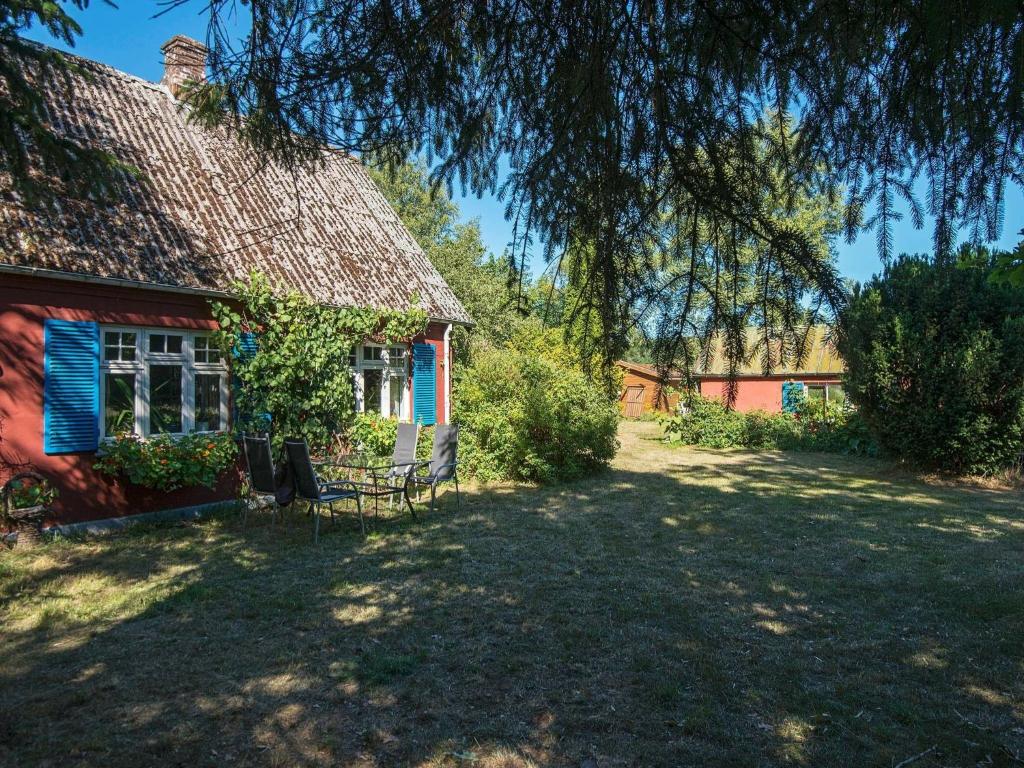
(26, 499)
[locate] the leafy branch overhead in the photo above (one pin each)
(39, 160)
(294, 367)
(618, 120)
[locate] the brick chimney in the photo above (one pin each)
(184, 61)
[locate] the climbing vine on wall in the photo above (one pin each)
(290, 357)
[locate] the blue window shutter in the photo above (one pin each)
(71, 386)
(245, 345)
(792, 394)
(424, 384)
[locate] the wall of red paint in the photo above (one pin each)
(760, 393)
(25, 302)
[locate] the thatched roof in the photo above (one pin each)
(820, 358)
(205, 211)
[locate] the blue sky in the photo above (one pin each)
(129, 39)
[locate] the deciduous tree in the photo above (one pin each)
(612, 115)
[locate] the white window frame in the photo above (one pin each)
(827, 386)
(140, 367)
(391, 368)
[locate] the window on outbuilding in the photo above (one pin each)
(828, 393)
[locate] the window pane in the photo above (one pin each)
(372, 387)
(373, 353)
(206, 351)
(836, 394)
(157, 342)
(164, 398)
(207, 402)
(118, 345)
(200, 349)
(352, 357)
(174, 344)
(397, 386)
(119, 404)
(816, 393)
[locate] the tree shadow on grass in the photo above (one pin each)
(761, 612)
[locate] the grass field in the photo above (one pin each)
(685, 608)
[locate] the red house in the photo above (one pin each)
(104, 306)
(818, 376)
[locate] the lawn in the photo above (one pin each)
(685, 608)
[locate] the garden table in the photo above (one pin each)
(376, 476)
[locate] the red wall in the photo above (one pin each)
(760, 393)
(25, 302)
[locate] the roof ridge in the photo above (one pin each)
(101, 67)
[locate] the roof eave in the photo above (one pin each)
(119, 282)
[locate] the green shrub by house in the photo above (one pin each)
(935, 363)
(526, 417)
(375, 435)
(293, 375)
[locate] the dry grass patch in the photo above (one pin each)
(721, 608)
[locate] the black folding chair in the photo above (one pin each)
(380, 478)
(259, 468)
(313, 490)
(443, 465)
(403, 458)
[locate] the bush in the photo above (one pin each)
(709, 424)
(167, 463)
(814, 427)
(526, 417)
(935, 361)
(375, 435)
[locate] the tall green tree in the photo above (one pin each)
(606, 112)
(713, 281)
(478, 279)
(1010, 266)
(38, 160)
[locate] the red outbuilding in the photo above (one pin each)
(104, 305)
(819, 375)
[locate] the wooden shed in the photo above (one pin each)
(644, 391)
